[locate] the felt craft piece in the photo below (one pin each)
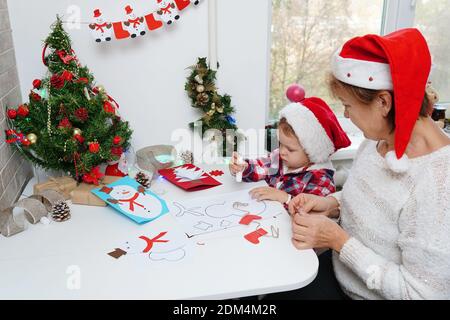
(254, 236)
(189, 177)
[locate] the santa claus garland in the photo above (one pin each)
(217, 109)
(136, 25)
(69, 123)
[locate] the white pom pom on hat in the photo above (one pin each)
(397, 165)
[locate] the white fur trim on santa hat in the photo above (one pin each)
(363, 74)
(309, 131)
(397, 165)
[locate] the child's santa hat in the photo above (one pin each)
(97, 13)
(316, 127)
(399, 62)
(128, 9)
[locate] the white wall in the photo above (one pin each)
(147, 75)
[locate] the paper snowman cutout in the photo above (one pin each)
(134, 25)
(168, 11)
(163, 246)
(134, 202)
(100, 29)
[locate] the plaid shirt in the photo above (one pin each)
(308, 180)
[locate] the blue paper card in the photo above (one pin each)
(132, 200)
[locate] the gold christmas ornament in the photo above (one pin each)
(220, 110)
(77, 131)
(200, 88)
(32, 138)
(101, 89)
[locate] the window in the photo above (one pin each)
(433, 20)
(305, 34)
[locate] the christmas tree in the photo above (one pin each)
(69, 124)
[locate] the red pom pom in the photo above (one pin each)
(81, 114)
(117, 140)
(295, 93)
(94, 147)
(64, 123)
(23, 111)
(67, 75)
(37, 83)
(26, 142)
(12, 114)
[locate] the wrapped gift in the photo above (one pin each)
(63, 185)
(83, 195)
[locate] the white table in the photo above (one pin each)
(69, 260)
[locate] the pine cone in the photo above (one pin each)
(143, 179)
(61, 211)
(202, 99)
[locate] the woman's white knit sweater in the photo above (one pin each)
(399, 226)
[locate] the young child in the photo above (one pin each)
(309, 134)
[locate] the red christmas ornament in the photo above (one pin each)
(79, 138)
(117, 151)
(57, 81)
(65, 123)
(117, 140)
(81, 114)
(37, 83)
(23, 111)
(12, 114)
(26, 142)
(9, 132)
(94, 147)
(108, 107)
(34, 96)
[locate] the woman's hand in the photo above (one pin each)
(317, 232)
(268, 193)
(235, 166)
(312, 204)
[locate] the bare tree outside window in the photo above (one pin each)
(433, 19)
(305, 34)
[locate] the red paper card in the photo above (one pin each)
(189, 177)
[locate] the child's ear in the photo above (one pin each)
(113, 201)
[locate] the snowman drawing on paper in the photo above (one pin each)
(163, 246)
(134, 202)
(134, 25)
(168, 11)
(100, 29)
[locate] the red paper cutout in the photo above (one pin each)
(254, 236)
(194, 185)
(152, 23)
(216, 173)
(150, 242)
(181, 4)
(119, 32)
(249, 219)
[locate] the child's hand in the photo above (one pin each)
(268, 193)
(235, 166)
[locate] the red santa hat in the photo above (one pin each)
(398, 62)
(316, 127)
(128, 9)
(97, 13)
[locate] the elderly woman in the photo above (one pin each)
(392, 240)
